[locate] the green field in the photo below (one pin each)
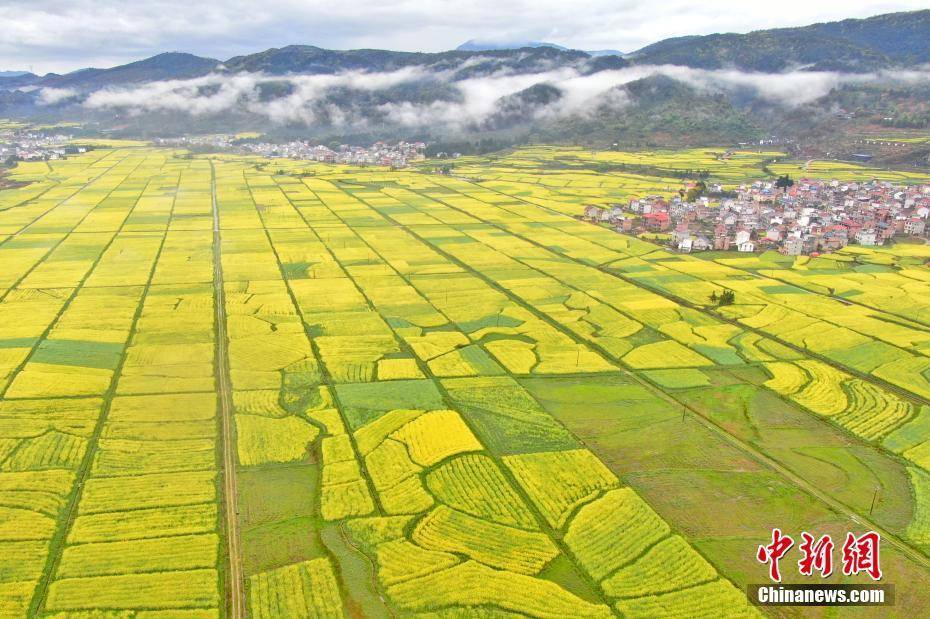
(320, 391)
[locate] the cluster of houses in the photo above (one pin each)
(808, 217)
(34, 146)
(396, 155)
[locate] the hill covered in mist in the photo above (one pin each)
(718, 88)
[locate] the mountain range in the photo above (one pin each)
(718, 87)
(853, 45)
(476, 45)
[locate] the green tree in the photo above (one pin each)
(727, 297)
(696, 191)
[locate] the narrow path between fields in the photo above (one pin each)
(236, 593)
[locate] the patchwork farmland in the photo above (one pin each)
(236, 387)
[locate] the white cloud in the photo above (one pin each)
(51, 96)
(216, 93)
(477, 99)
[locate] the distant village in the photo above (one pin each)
(395, 155)
(807, 217)
(35, 146)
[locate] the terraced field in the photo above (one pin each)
(237, 388)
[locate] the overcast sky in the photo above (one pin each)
(63, 35)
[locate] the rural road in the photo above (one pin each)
(236, 601)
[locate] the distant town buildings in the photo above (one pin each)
(808, 217)
(395, 155)
(34, 146)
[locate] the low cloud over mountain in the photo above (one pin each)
(533, 89)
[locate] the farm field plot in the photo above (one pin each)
(655, 284)
(323, 391)
(109, 465)
(410, 473)
(565, 179)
